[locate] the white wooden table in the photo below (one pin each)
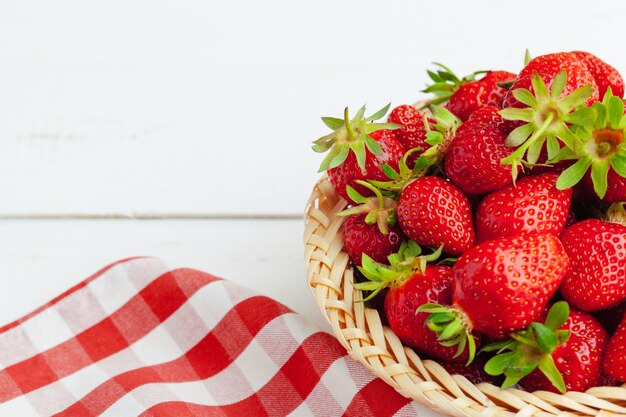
(181, 129)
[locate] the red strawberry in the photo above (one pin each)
(433, 286)
(596, 279)
(532, 205)
(564, 353)
(465, 96)
(616, 186)
(434, 212)
(357, 148)
(551, 90)
(360, 237)
(477, 94)
(410, 284)
(503, 285)
(349, 172)
(500, 286)
(615, 359)
(605, 75)
(473, 160)
(579, 360)
(548, 66)
(489, 115)
(601, 155)
(412, 131)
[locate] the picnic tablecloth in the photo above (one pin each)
(140, 339)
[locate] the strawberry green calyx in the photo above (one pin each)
(439, 136)
(380, 209)
(402, 265)
(351, 135)
(602, 146)
(548, 118)
(452, 327)
(446, 82)
(530, 349)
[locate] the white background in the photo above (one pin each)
(200, 114)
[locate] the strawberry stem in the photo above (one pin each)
(531, 349)
(452, 328)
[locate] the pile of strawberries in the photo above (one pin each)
(489, 222)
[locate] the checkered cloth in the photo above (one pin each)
(138, 339)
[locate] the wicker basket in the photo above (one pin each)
(360, 331)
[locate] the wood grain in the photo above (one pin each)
(205, 107)
(41, 259)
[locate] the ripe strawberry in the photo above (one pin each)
(433, 212)
(411, 283)
(533, 205)
(578, 360)
(601, 154)
(363, 238)
(596, 279)
(349, 172)
(605, 75)
(357, 149)
(562, 354)
(548, 95)
(477, 94)
(615, 358)
(548, 66)
(615, 188)
(500, 286)
(489, 115)
(473, 159)
(412, 131)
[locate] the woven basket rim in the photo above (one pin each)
(361, 332)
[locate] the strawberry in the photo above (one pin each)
(599, 152)
(596, 279)
(472, 162)
(548, 95)
(533, 205)
(357, 150)
(434, 212)
(605, 75)
(411, 283)
(615, 358)
(548, 66)
(563, 354)
(349, 172)
(474, 95)
(413, 129)
(465, 96)
(615, 186)
(579, 360)
(499, 287)
(371, 226)
(363, 238)
(477, 94)
(489, 115)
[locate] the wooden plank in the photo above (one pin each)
(188, 107)
(41, 259)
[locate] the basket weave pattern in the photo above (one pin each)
(361, 332)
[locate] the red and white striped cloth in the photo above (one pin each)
(138, 339)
